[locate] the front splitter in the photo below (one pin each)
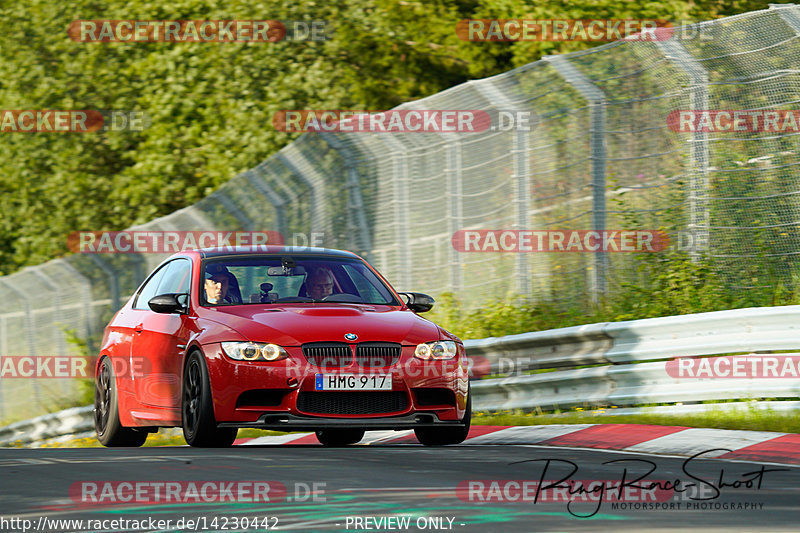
(289, 422)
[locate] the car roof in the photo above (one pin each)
(269, 250)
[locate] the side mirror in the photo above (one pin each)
(168, 303)
(418, 302)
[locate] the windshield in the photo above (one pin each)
(291, 279)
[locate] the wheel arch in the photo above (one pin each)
(191, 349)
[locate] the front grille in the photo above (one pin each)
(352, 402)
(328, 354)
(377, 354)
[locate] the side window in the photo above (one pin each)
(149, 289)
(177, 277)
(367, 291)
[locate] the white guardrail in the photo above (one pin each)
(66, 422)
(628, 367)
(629, 361)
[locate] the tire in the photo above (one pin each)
(197, 410)
(447, 435)
(106, 411)
(339, 437)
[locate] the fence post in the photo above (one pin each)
(272, 197)
(699, 187)
(113, 282)
(454, 188)
(87, 295)
(400, 182)
(789, 13)
(355, 202)
(453, 193)
(197, 217)
(139, 263)
(320, 218)
(29, 331)
(58, 337)
(522, 174)
(597, 105)
(224, 200)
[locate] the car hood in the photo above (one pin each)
(298, 324)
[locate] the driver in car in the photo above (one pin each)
(319, 283)
(218, 280)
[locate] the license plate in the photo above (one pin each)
(353, 382)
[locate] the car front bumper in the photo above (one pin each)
(290, 378)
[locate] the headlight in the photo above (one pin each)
(253, 351)
(436, 350)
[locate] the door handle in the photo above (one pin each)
(139, 328)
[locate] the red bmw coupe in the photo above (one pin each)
(278, 338)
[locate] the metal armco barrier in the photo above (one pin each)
(66, 422)
(628, 361)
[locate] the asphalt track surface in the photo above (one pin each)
(392, 481)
